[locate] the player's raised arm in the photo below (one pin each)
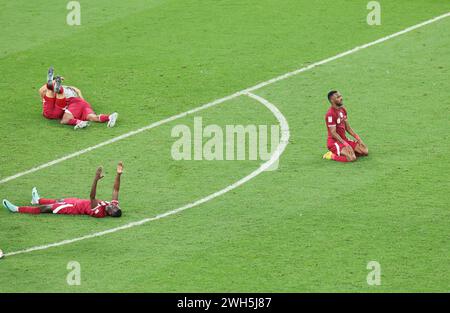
(115, 195)
(98, 176)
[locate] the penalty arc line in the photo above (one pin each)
(247, 92)
(284, 127)
(224, 99)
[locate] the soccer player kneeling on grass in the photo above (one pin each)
(75, 206)
(340, 148)
(67, 104)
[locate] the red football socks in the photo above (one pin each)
(73, 121)
(103, 118)
(46, 201)
(29, 210)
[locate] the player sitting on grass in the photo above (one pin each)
(340, 148)
(67, 104)
(75, 206)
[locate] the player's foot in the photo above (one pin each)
(58, 82)
(34, 196)
(11, 207)
(50, 78)
(81, 124)
(112, 119)
(328, 155)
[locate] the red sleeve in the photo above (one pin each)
(330, 119)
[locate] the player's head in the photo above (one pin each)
(335, 98)
(113, 209)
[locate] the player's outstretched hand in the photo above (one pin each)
(120, 167)
(99, 173)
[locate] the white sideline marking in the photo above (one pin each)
(275, 156)
(221, 100)
(348, 52)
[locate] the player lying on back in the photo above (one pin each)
(75, 206)
(67, 104)
(340, 148)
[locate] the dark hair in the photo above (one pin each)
(116, 213)
(331, 93)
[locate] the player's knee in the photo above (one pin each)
(63, 121)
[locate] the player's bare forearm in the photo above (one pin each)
(115, 195)
(94, 189)
(98, 176)
(350, 130)
(94, 193)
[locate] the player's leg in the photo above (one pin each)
(50, 82)
(36, 199)
(89, 115)
(75, 113)
(60, 101)
(49, 93)
(27, 209)
(69, 119)
(94, 118)
(103, 118)
(50, 107)
(340, 153)
(349, 153)
(57, 86)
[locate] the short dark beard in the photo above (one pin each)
(340, 104)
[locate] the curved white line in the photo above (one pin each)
(284, 127)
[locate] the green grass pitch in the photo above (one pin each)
(310, 226)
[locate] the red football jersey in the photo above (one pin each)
(75, 206)
(336, 117)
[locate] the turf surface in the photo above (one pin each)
(312, 225)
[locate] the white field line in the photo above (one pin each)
(283, 142)
(221, 100)
(274, 158)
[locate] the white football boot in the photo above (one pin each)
(112, 119)
(34, 196)
(11, 207)
(81, 125)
